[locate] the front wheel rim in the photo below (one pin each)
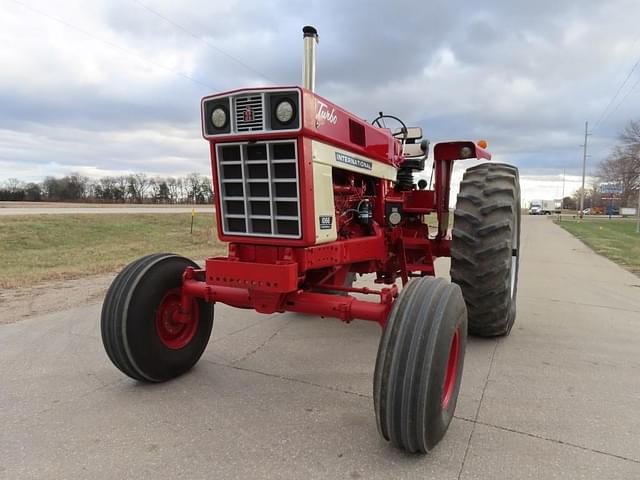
(451, 375)
(172, 333)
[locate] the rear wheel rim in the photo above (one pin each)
(515, 244)
(172, 333)
(451, 375)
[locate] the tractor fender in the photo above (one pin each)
(449, 151)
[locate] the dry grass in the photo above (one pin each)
(37, 248)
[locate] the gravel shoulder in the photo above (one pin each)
(19, 303)
(53, 296)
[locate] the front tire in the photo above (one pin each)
(419, 364)
(138, 327)
(485, 247)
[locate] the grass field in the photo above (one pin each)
(616, 239)
(36, 248)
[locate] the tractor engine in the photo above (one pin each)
(354, 198)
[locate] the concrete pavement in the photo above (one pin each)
(289, 396)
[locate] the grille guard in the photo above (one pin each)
(259, 188)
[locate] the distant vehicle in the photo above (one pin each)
(535, 210)
(613, 210)
(545, 207)
(586, 211)
(628, 211)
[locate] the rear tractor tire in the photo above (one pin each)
(139, 331)
(419, 364)
(485, 247)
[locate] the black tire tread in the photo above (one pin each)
(403, 368)
(112, 308)
(486, 214)
(114, 311)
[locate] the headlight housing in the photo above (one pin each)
(245, 112)
(285, 112)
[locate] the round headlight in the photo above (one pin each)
(466, 152)
(219, 117)
(284, 111)
(395, 218)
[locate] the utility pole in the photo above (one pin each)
(562, 201)
(584, 164)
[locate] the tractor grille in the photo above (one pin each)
(259, 190)
(249, 113)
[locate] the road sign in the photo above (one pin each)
(611, 187)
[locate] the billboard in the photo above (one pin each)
(611, 188)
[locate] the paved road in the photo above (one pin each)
(289, 396)
(98, 210)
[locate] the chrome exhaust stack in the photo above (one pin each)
(310, 37)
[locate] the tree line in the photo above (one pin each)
(133, 188)
(621, 166)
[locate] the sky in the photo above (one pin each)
(108, 87)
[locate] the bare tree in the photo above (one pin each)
(206, 187)
(144, 184)
(174, 190)
(183, 192)
(120, 188)
(137, 186)
(193, 186)
(623, 164)
(13, 185)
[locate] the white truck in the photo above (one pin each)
(545, 207)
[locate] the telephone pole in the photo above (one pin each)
(562, 201)
(584, 164)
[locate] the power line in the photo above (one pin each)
(613, 140)
(128, 50)
(203, 40)
(623, 98)
(602, 117)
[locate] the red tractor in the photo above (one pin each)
(308, 196)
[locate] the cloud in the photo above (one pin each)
(111, 86)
